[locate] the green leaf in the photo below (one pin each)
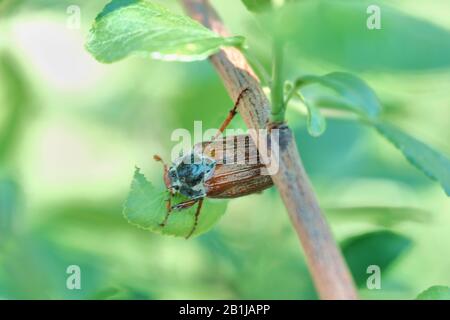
(316, 123)
(378, 215)
(380, 248)
(126, 27)
(348, 92)
(336, 31)
(434, 164)
(14, 98)
(145, 207)
(435, 293)
(353, 94)
(105, 294)
(9, 206)
(257, 5)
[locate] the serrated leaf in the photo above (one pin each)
(348, 92)
(142, 27)
(145, 207)
(380, 248)
(257, 5)
(434, 164)
(435, 293)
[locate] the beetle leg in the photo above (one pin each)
(231, 114)
(169, 210)
(197, 213)
(227, 121)
(184, 205)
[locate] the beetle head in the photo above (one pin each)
(188, 174)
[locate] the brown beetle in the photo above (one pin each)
(222, 168)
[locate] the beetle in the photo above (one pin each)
(210, 170)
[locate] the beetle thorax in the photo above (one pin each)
(189, 173)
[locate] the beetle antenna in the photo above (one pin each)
(166, 170)
(159, 159)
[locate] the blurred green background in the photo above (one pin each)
(72, 131)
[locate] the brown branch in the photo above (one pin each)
(329, 271)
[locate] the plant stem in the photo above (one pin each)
(328, 269)
(277, 90)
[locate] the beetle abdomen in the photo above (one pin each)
(238, 167)
(233, 181)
